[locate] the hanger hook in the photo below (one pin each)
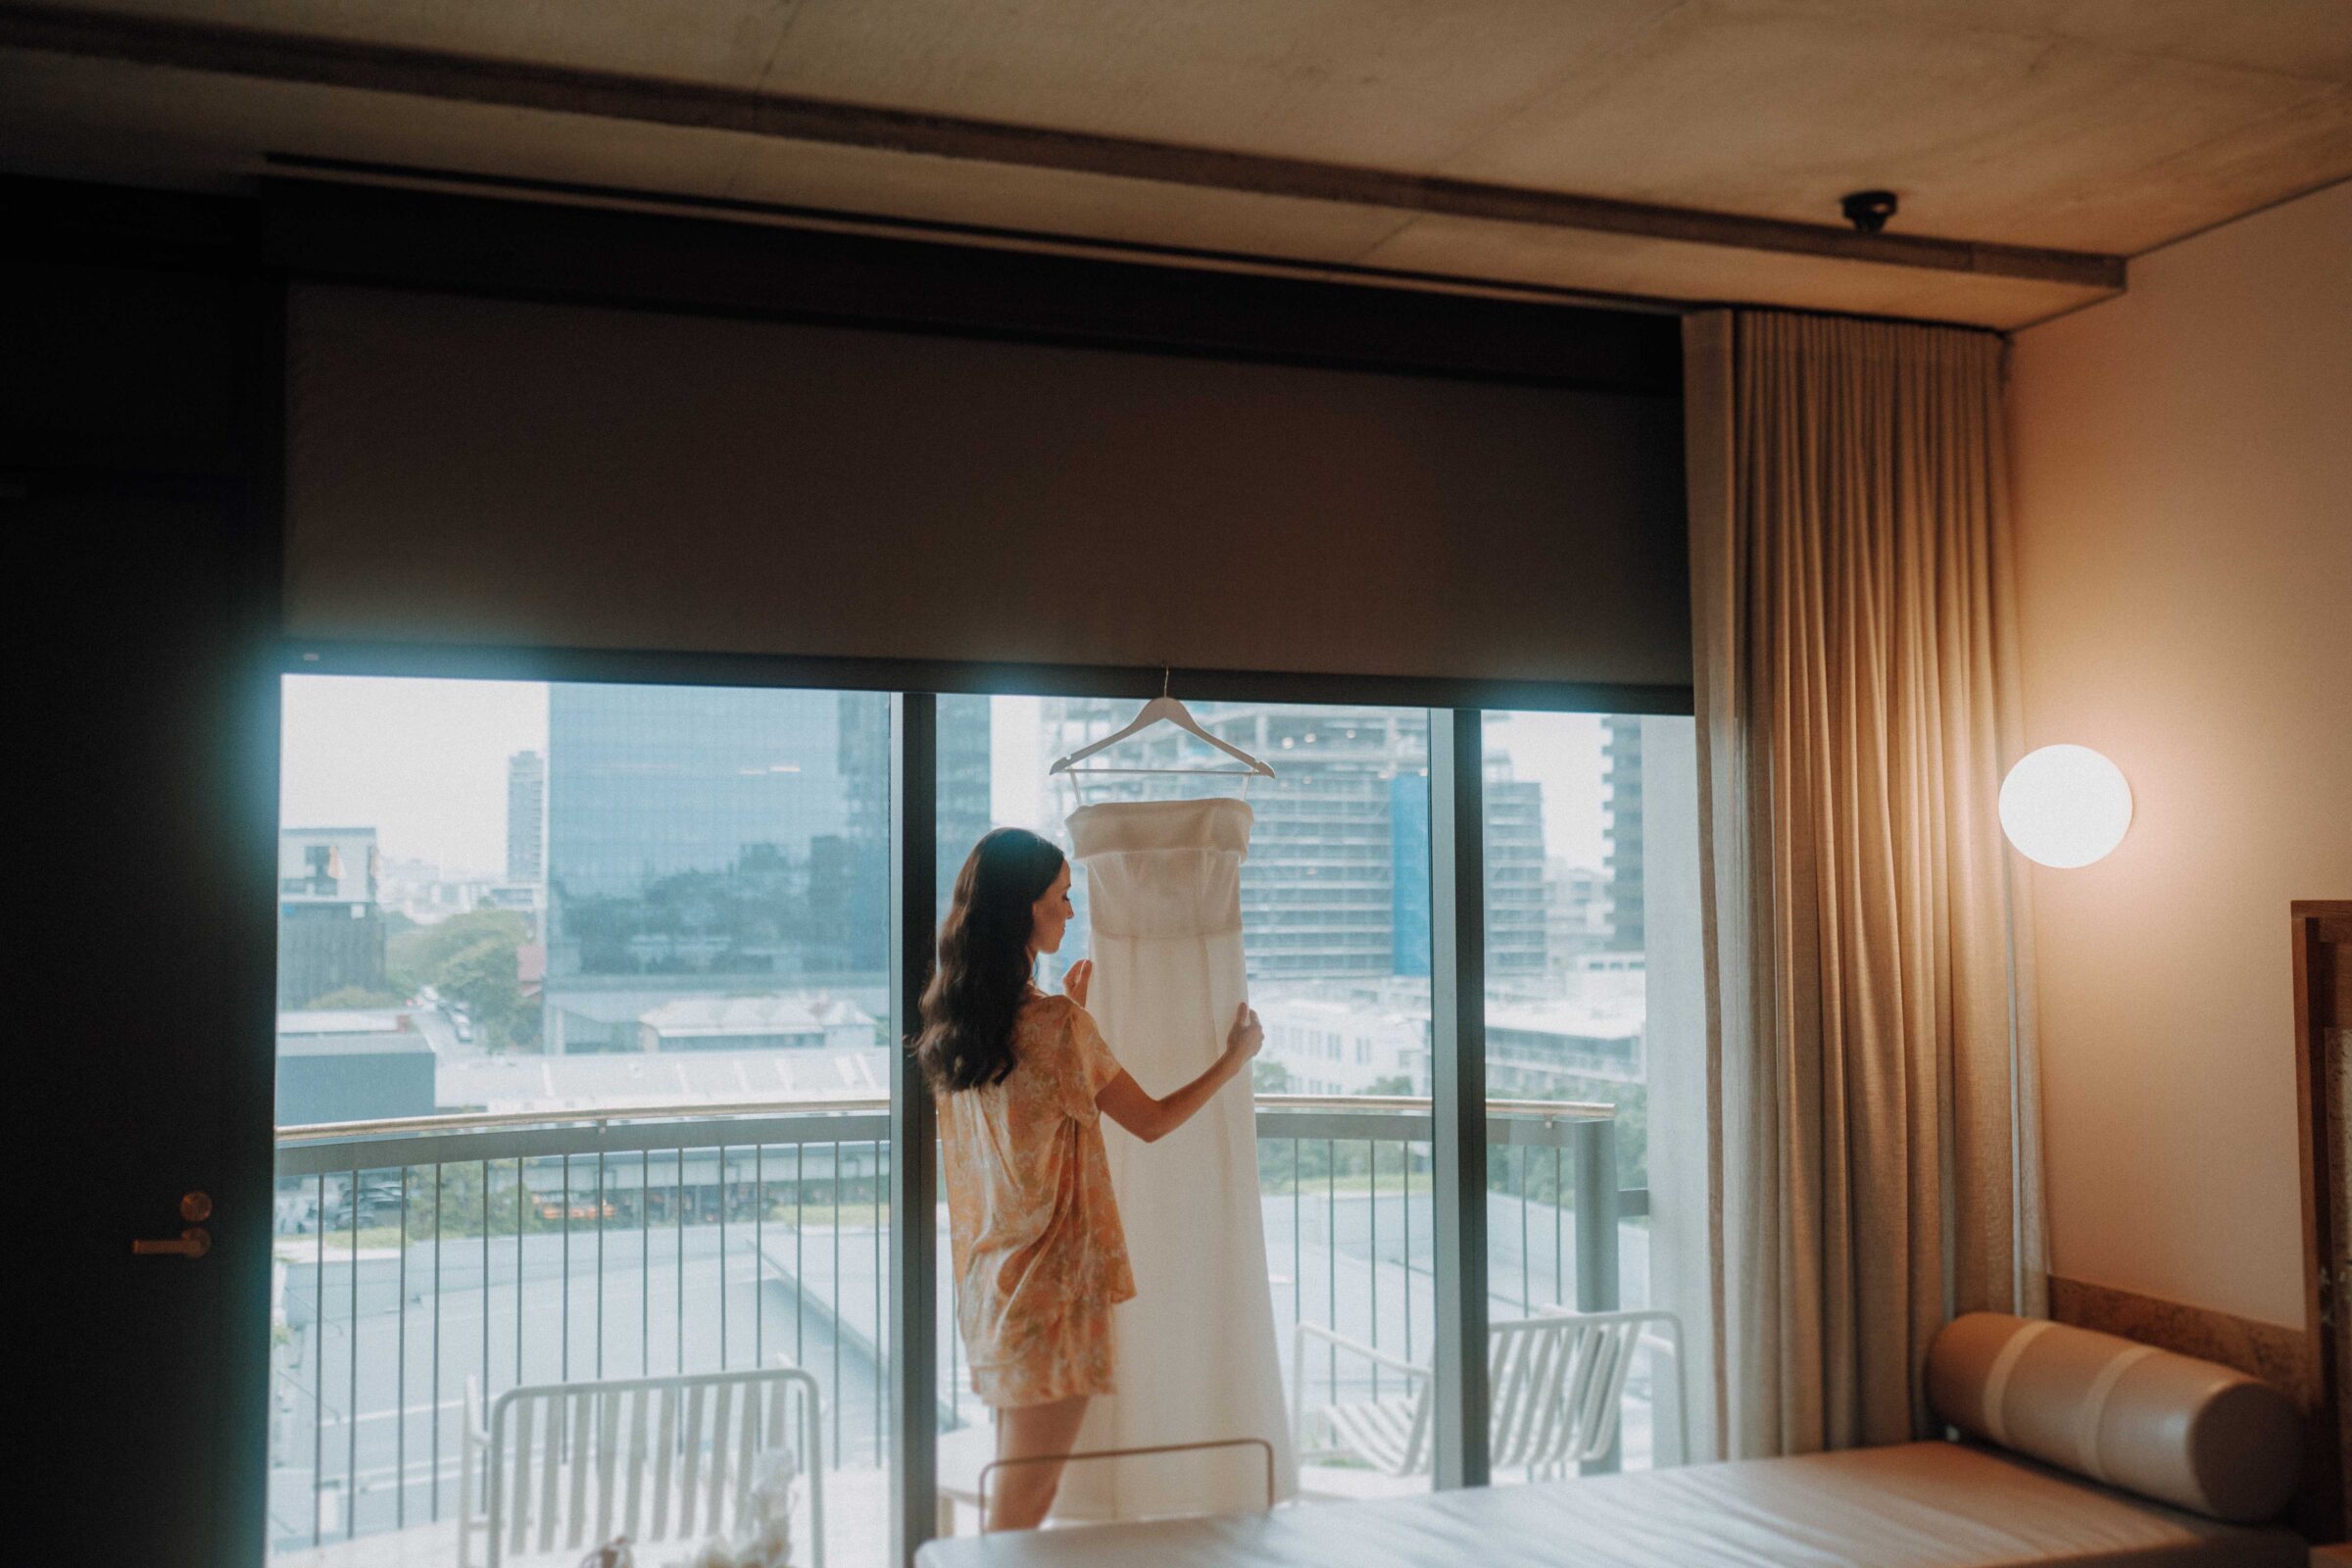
(1163, 680)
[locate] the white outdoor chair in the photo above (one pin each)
(564, 1468)
(1555, 1384)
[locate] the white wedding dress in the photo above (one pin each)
(1194, 1352)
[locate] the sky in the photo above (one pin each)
(1562, 751)
(425, 764)
(421, 762)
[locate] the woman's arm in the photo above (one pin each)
(1125, 1102)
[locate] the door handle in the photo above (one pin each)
(194, 1242)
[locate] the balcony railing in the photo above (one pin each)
(415, 1257)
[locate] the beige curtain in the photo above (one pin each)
(1871, 1080)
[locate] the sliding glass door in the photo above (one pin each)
(1336, 915)
(582, 1080)
(1575, 854)
(589, 996)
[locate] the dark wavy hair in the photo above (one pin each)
(983, 973)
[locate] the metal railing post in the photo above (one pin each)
(1596, 1286)
(914, 1419)
(1580, 1137)
(1458, 1089)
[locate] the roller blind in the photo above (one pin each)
(480, 471)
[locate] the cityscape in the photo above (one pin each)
(684, 848)
(683, 903)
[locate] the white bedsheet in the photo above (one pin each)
(1916, 1506)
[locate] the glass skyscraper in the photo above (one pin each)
(709, 831)
(962, 802)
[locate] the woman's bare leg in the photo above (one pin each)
(1018, 1496)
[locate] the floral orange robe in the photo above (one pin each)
(1039, 1255)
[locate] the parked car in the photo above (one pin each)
(377, 1204)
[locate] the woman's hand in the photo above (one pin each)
(1076, 978)
(1245, 1037)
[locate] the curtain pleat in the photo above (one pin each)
(1871, 1072)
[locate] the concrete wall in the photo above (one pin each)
(2183, 464)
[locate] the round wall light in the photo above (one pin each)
(2065, 805)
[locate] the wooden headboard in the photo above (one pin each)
(2322, 961)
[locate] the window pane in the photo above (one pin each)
(540, 903)
(1572, 856)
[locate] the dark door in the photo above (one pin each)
(139, 375)
(152, 755)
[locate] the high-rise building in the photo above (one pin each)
(526, 818)
(330, 927)
(965, 784)
(702, 830)
(1514, 863)
(1622, 830)
(1408, 875)
(1319, 888)
(1336, 883)
(864, 762)
(699, 838)
(961, 761)
(1576, 913)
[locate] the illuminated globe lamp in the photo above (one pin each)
(2065, 805)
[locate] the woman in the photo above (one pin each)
(1021, 1080)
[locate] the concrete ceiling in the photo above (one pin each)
(1382, 136)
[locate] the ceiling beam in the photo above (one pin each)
(306, 167)
(610, 95)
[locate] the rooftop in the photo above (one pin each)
(765, 1013)
(386, 1045)
(1581, 1019)
(510, 1084)
(300, 1023)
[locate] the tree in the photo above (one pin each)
(469, 959)
(483, 978)
(416, 958)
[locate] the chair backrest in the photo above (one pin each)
(573, 1464)
(1556, 1384)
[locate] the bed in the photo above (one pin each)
(2162, 1460)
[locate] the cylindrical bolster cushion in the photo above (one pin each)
(2169, 1427)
